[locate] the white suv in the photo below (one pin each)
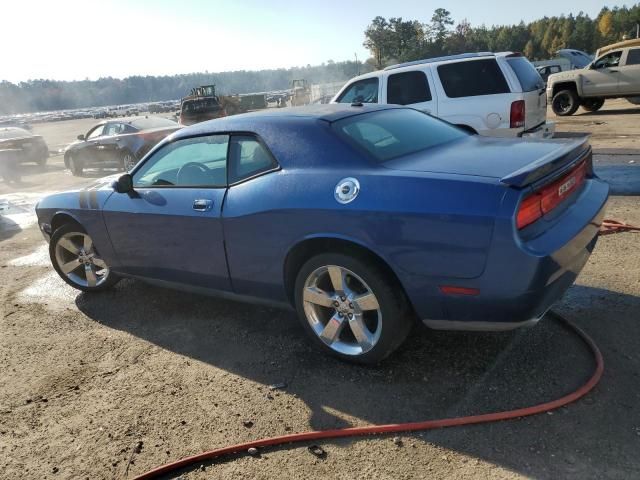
(494, 94)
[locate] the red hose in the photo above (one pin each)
(401, 427)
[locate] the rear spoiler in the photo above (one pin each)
(564, 157)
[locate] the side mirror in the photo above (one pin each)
(81, 137)
(124, 184)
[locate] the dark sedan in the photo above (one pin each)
(27, 146)
(117, 143)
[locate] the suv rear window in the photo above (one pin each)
(472, 78)
(407, 88)
(528, 76)
(390, 134)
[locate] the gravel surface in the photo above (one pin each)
(110, 385)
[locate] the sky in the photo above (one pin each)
(74, 40)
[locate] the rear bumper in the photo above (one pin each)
(546, 130)
(523, 279)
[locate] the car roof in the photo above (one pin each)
(329, 112)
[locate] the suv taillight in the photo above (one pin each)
(517, 114)
(550, 196)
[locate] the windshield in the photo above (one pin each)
(528, 76)
(390, 134)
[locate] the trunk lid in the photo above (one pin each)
(513, 162)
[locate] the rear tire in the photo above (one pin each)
(76, 166)
(592, 104)
(565, 103)
(350, 308)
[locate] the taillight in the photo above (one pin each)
(549, 197)
(517, 114)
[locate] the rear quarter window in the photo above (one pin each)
(472, 78)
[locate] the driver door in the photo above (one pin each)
(169, 228)
(601, 78)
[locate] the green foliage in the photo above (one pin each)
(538, 40)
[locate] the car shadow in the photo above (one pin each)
(623, 180)
(617, 111)
(434, 375)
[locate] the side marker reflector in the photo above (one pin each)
(452, 290)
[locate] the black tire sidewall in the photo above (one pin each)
(396, 323)
(592, 104)
(574, 100)
(68, 228)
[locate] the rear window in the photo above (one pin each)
(408, 88)
(528, 76)
(472, 78)
(390, 134)
(152, 122)
(362, 91)
(13, 132)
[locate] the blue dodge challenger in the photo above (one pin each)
(361, 217)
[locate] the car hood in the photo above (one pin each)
(566, 75)
(484, 156)
(91, 197)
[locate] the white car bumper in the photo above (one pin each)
(546, 130)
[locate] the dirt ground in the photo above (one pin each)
(111, 385)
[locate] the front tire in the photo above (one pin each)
(128, 161)
(350, 308)
(565, 103)
(592, 104)
(75, 258)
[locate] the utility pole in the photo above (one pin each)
(638, 30)
(355, 54)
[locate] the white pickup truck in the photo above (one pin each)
(493, 94)
(615, 73)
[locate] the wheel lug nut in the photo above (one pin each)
(350, 315)
(336, 304)
(340, 315)
(351, 305)
(343, 298)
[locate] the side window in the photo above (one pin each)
(248, 157)
(408, 88)
(633, 57)
(113, 129)
(472, 78)
(192, 162)
(610, 60)
(364, 91)
(96, 132)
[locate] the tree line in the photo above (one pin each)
(51, 95)
(396, 40)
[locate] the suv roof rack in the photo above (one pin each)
(441, 59)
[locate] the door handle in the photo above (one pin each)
(202, 205)
(613, 71)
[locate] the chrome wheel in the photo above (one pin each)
(78, 260)
(128, 162)
(342, 310)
